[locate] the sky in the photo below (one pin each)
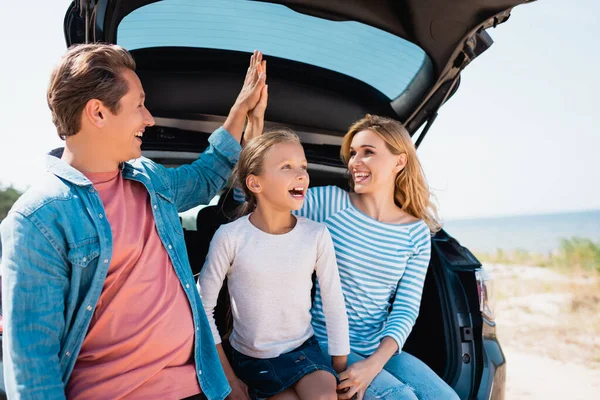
(519, 136)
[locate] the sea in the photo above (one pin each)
(533, 233)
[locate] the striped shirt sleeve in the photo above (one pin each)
(238, 195)
(323, 201)
(410, 288)
(332, 297)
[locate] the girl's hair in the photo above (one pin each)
(412, 193)
(252, 159)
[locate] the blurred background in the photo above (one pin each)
(511, 159)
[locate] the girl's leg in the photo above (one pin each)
(287, 394)
(425, 383)
(385, 386)
(318, 385)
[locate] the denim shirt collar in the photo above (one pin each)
(58, 167)
(64, 171)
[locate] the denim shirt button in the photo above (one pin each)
(68, 354)
(101, 216)
(187, 285)
(155, 206)
(170, 247)
(106, 261)
(199, 372)
(89, 308)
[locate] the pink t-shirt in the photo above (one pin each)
(141, 339)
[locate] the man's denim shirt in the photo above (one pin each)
(56, 246)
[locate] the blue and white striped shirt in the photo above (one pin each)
(376, 261)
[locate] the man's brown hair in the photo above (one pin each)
(87, 71)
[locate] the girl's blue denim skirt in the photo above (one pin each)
(266, 377)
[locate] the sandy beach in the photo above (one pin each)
(549, 328)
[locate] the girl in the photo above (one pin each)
(268, 258)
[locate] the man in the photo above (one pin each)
(98, 296)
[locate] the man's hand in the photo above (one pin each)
(356, 379)
(239, 390)
(249, 96)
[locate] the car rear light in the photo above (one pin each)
(485, 287)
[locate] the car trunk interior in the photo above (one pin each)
(177, 79)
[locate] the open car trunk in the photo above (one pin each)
(329, 63)
(397, 58)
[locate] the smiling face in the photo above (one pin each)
(372, 165)
(283, 180)
(122, 132)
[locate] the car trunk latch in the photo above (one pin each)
(466, 333)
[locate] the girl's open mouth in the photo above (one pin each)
(297, 193)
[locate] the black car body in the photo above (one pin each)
(191, 58)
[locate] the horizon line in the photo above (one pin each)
(540, 214)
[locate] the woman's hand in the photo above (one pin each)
(249, 96)
(356, 379)
(239, 390)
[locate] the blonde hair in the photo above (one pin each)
(87, 71)
(412, 193)
(251, 162)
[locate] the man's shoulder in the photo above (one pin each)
(144, 165)
(151, 169)
(47, 190)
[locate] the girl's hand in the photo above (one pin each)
(254, 83)
(249, 96)
(239, 390)
(340, 363)
(256, 116)
(356, 379)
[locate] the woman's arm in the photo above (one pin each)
(400, 322)
(356, 379)
(334, 307)
(407, 303)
